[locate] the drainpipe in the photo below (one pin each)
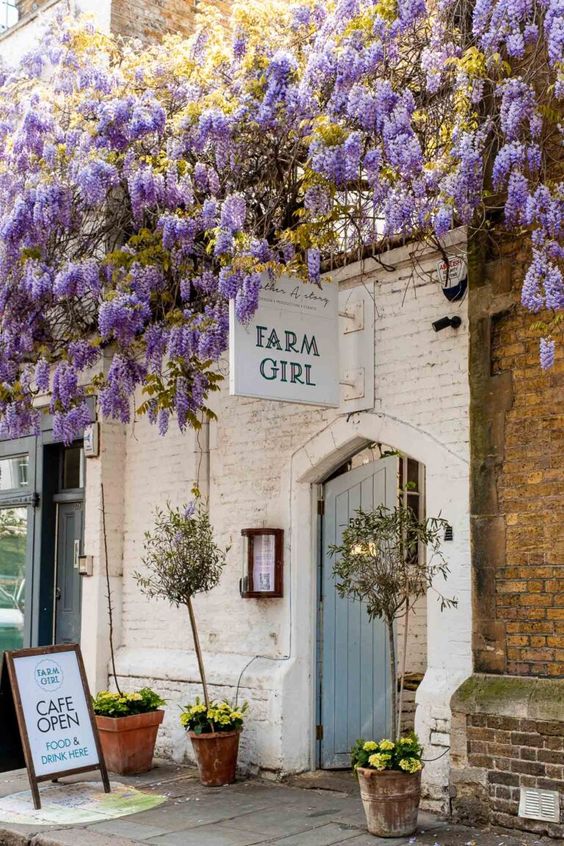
(202, 460)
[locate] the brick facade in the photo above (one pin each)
(530, 588)
(152, 21)
(517, 528)
(507, 734)
(515, 752)
(137, 18)
(517, 431)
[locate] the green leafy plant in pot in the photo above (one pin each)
(182, 559)
(127, 722)
(388, 559)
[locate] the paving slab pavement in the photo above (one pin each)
(309, 810)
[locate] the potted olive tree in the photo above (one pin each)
(182, 560)
(389, 558)
(127, 722)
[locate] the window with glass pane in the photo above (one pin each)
(9, 14)
(13, 544)
(14, 472)
(73, 468)
(410, 495)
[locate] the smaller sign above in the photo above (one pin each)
(453, 276)
(289, 349)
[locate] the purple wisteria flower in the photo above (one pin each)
(141, 194)
(547, 351)
(95, 180)
(233, 213)
(42, 375)
(146, 189)
(77, 279)
(314, 264)
(123, 318)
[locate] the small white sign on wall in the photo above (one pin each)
(289, 350)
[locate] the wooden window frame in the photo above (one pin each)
(247, 587)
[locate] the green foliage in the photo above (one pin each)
(403, 755)
(219, 716)
(388, 558)
(181, 555)
(108, 704)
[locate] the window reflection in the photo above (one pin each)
(13, 543)
(14, 472)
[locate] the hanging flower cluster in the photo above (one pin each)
(144, 190)
(442, 112)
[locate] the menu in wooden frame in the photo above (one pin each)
(53, 713)
(264, 563)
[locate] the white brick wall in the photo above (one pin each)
(264, 459)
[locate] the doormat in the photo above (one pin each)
(80, 802)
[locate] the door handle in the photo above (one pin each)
(76, 554)
(57, 593)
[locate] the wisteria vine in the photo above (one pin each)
(143, 190)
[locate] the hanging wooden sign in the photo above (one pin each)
(46, 715)
(289, 349)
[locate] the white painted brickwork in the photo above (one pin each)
(266, 459)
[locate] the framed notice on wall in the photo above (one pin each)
(44, 693)
(264, 557)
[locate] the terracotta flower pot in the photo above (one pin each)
(216, 756)
(128, 743)
(391, 801)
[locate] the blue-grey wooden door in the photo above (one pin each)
(354, 682)
(70, 518)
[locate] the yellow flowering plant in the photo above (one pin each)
(404, 754)
(121, 704)
(216, 717)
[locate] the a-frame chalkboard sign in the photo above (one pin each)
(46, 715)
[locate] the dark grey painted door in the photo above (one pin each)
(354, 683)
(67, 591)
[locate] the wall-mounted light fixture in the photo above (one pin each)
(263, 560)
(445, 322)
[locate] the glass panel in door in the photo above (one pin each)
(13, 559)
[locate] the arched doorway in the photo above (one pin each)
(444, 636)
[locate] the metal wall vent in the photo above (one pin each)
(536, 804)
